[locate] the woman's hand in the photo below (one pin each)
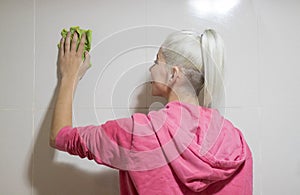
(70, 62)
(71, 69)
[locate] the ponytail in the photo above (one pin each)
(212, 51)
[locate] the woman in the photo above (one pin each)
(184, 148)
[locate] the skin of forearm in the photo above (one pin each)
(62, 114)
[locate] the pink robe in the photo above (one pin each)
(180, 149)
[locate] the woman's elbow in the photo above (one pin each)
(52, 142)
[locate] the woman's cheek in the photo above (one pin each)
(158, 81)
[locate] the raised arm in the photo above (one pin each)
(71, 68)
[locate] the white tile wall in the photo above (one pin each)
(105, 19)
(262, 83)
(16, 151)
(280, 150)
(279, 53)
(16, 54)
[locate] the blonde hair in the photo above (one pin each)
(201, 58)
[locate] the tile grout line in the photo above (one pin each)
(260, 189)
(33, 95)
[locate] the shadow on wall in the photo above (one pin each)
(48, 177)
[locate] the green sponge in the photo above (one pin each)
(88, 38)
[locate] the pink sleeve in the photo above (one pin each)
(107, 144)
(126, 144)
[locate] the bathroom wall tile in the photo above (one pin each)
(15, 150)
(122, 82)
(280, 145)
(172, 14)
(279, 64)
(121, 76)
(17, 54)
(113, 36)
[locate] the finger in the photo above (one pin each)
(85, 65)
(87, 59)
(74, 43)
(86, 62)
(61, 48)
(67, 42)
(81, 44)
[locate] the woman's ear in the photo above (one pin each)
(174, 74)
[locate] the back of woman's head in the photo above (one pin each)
(201, 58)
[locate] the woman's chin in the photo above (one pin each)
(153, 93)
(156, 93)
(155, 90)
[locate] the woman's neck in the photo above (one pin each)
(186, 97)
